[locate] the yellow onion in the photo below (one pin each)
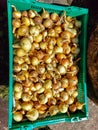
(47, 23)
(75, 94)
(32, 115)
(41, 69)
(38, 86)
(60, 56)
(43, 99)
(31, 13)
(73, 81)
(66, 35)
(64, 82)
(48, 93)
(79, 105)
(16, 14)
(53, 110)
(26, 97)
(34, 30)
(51, 32)
(43, 45)
(62, 69)
(52, 101)
(35, 61)
(24, 14)
(37, 19)
(27, 106)
(45, 14)
(72, 108)
(20, 52)
(17, 105)
(17, 68)
(63, 108)
(22, 30)
(16, 24)
(78, 23)
(70, 100)
(41, 90)
(17, 95)
(38, 38)
(24, 67)
(54, 17)
(64, 96)
(58, 49)
(58, 29)
(75, 50)
(47, 84)
(18, 60)
(25, 44)
(25, 21)
(18, 87)
(17, 116)
(70, 89)
(65, 62)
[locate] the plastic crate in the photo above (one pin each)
(82, 15)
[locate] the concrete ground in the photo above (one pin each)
(92, 123)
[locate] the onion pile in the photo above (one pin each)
(46, 49)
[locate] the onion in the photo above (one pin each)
(53, 110)
(62, 69)
(24, 67)
(16, 24)
(38, 38)
(72, 108)
(16, 14)
(27, 106)
(54, 17)
(43, 45)
(18, 60)
(63, 108)
(58, 29)
(31, 13)
(17, 116)
(23, 30)
(41, 69)
(75, 50)
(32, 115)
(25, 21)
(58, 49)
(24, 14)
(48, 93)
(16, 68)
(52, 101)
(37, 19)
(20, 52)
(43, 99)
(65, 62)
(78, 23)
(51, 32)
(18, 87)
(60, 56)
(75, 94)
(26, 97)
(41, 90)
(45, 14)
(48, 23)
(79, 105)
(17, 95)
(25, 44)
(48, 84)
(73, 81)
(38, 86)
(70, 100)
(34, 30)
(35, 61)
(64, 96)
(64, 82)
